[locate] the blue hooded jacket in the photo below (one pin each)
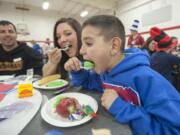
(147, 102)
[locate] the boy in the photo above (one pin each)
(133, 93)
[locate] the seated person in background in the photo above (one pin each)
(135, 39)
(67, 31)
(162, 61)
(37, 47)
(46, 47)
(14, 57)
(176, 50)
(133, 93)
(149, 46)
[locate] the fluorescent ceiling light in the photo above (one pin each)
(45, 5)
(84, 13)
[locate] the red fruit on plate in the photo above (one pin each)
(66, 106)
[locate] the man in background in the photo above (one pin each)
(16, 58)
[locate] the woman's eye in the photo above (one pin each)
(68, 34)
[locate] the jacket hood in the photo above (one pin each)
(134, 57)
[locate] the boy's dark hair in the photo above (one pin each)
(77, 28)
(110, 27)
(5, 22)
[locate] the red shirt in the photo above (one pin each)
(138, 41)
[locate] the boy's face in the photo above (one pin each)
(96, 49)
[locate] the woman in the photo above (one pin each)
(149, 46)
(67, 31)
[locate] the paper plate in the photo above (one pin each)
(45, 87)
(50, 116)
(15, 124)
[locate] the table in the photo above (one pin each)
(38, 126)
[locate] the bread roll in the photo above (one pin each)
(47, 79)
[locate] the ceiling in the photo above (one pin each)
(72, 8)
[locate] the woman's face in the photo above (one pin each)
(66, 35)
(152, 45)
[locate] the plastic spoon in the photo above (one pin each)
(65, 48)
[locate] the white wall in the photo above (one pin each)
(40, 23)
(134, 9)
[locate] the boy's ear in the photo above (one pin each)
(116, 45)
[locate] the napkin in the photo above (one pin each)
(4, 89)
(1, 97)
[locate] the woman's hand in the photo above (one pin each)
(108, 97)
(72, 64)
(54, 55)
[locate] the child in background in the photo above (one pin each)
(132, 92)
(135, 39)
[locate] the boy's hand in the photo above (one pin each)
(108, 98)
(72, 64)
(54, 56)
